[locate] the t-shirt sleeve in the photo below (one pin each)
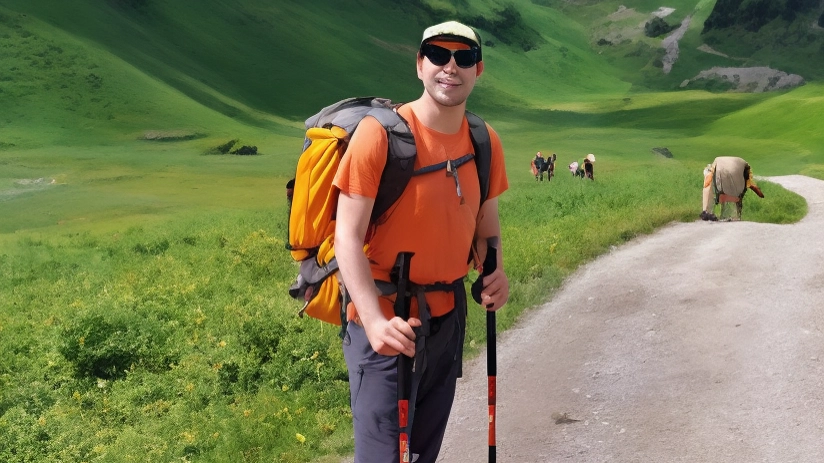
(360, 169)
(498, 182)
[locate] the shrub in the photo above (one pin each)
(152, 249)
(509, 26)
(245, 150)
(303, 358)
(224, 148)
(259, 340)
(230, 148)
(108, 346)
(656, 27)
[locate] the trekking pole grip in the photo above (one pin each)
(490, 265)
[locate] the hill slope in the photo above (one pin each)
(249, 57)
(787, 37)
(251, 60)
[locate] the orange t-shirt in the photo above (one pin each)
(429, 219)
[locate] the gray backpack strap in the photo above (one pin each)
(483, 151)
(400, 160)
(310, 278)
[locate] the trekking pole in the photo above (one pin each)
(402, 305)
(489, 266)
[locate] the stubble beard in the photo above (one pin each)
(446, 100)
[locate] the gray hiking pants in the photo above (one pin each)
(374, 391)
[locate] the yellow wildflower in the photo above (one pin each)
(300, 437)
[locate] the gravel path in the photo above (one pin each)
(701, 342)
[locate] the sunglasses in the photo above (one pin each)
(440, 56)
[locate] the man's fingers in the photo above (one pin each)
(391, 346)
(403, 333)
(404, 327)
(394, 336)
(496, 292)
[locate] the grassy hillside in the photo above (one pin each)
(617, 32)
(87, 76)
(783, 133)
(252, 53)
(784, 33)
(143, 306)
(59, 86)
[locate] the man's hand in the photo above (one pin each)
(496, 290)
(392, 337)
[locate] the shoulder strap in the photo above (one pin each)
(483, 151)
(401, 156)
(400, 159)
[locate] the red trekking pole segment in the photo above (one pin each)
(403, 422)
(404, 447)
(402, 306)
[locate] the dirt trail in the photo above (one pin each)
(702, 342)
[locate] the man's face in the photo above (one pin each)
(449, 84)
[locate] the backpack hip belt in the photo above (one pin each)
(417, 291)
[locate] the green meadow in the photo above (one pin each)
(144, 313)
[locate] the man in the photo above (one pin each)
(573, 167)
(549, 166)
(439, 217)
(729, 178)
(538, 166)
(589, 169)
(589, 166)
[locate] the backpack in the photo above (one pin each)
(312, 199)
(538, 162)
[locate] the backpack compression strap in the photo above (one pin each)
(455, 163)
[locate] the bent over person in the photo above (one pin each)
(728, 176)
(440, 218)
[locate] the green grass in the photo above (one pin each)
(135, 181)
(170, 338)
(143, 306)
